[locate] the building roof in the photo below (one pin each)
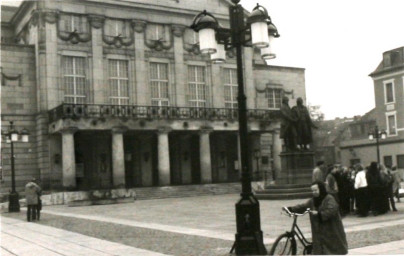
(7, 12)
(392, 60)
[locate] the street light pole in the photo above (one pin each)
(377, 134)
(259, 32)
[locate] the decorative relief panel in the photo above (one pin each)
(74, 28)
(191, 41)
(158, 36)
(117, 32)
(10, 80)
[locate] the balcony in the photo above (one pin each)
(77, 111)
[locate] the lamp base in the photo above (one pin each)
(13, 202)
(249, 237)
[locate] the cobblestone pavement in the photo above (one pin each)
(202, 225)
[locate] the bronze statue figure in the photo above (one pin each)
(288, 129)
(303, 124)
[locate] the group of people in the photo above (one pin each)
(360, 189)
(33, 200)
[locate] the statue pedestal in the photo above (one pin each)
(297, 167)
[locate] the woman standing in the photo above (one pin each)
(378, 197)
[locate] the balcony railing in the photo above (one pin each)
(77, 111)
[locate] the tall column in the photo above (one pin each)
(68, 160)
(118, 161)
(142, 94)
(98, 87)
(179, 66)
(276, 151)
(163, 156)
(206, 165)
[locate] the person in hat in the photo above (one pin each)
(32, 191)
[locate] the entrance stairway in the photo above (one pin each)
(284, 191)
(187, 190)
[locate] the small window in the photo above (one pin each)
(400, 161)
(388, 161)
(391, 124)
(389, 92)
(274, 97)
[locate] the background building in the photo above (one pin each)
(388, 115)
(116, 94)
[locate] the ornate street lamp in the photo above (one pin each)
(377, 134)
(11, 136)
(258, 32)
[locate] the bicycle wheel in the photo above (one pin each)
(285, 244)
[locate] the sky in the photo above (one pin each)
(338, 42)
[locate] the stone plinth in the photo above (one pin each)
(297, 167)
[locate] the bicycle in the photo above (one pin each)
(285, 244)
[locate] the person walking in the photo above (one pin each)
(388, 180)
(396, 182)
(318, 172)
(328, 234)
(331, 183)
(361, 192)
(345, 191)
(31, 195)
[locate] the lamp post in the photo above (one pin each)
(377, 134)
(12, 136)
(258, 32)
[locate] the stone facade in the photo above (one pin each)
(88, 134)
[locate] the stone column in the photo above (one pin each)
(179, 66)
(142, 94)
(68, 160)
(98, 86)
(163, 156)
(118, 161)
(276, 151)
(206, 165)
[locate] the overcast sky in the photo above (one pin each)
(339, 43)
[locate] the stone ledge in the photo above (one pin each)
(101, 201)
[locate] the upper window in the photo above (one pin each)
(70, 23)
(159, 84)
(392, 124)
(273, 97)
(230, 88)
(74, 79)
(118, 82)
(389, 92)
(197, 88)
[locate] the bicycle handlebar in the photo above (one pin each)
(286, 209)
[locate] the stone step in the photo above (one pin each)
(283, 196)
(283, 191)
(278, 186)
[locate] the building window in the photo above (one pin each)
(274, 97)
(400, 161)
(230, 88)
(70, 23)
(389, 92)
(159, 84)
(392, 124)
(197, 86)
(74, 79)
(388, 161)
(118, 82)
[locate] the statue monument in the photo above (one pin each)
(303, 125)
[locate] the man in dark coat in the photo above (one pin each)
(288, 130)
(328, 232)
(303, 124)
(32, 191)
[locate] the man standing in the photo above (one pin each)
(331, 183)
(32, 191)
(318, 175)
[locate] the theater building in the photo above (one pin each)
(116, 94)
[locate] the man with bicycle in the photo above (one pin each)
(328, 232)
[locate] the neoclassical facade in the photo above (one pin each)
(116, 94)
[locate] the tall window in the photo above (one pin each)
(400, 161)
(74, 79)
(197, 86)
(159, 84)
(391, 124)
(118, 82)
(230, 88)
(389, 92)
(274, 97)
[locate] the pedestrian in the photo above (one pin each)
(318, 172)
(345, 189)
(361, 192)
(31, 195)
(331, 182)
(328, 234)
(388, 180)
(396, 182)
(379, 203)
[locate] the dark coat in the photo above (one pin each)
(303, 125)
(32, 191)
(327, 230)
